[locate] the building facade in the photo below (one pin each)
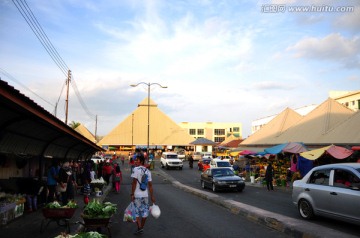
(215, 131)
(349, 99)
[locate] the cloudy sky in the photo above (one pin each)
(222, 60)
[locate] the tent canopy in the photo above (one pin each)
(291, 147)
(335, 151)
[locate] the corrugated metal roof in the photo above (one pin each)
(28, 129)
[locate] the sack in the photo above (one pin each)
(61, 189)
(155, 211)
(129, 213)
(144, 181)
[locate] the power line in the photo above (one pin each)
(35, 26)
(9, 76)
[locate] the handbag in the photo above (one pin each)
(61, 189)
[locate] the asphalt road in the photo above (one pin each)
(278, 202)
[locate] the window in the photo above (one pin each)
(320, 177)
(192, 131)
(236, 129)
(219, 139)
(219, 132)
(200, 131)
(345, 179)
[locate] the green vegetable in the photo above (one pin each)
(95, 209)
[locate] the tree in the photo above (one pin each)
(74, 124)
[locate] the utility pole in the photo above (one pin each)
(67, 96)
(95, 127)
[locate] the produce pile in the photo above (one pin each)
(90, 234)
(55, 204)
(95, 209)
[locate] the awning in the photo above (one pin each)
(335, 151)
(291, 147)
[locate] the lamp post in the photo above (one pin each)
(148, 105)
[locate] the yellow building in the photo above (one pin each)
(215, 131)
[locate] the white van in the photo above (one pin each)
(206, 155)
(170, 160)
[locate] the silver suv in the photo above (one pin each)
(170, 160)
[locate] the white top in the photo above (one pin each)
(137, 173)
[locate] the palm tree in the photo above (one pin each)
(74, 124)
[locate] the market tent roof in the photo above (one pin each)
(133, 129)
(345, 132)
(291, 147)
(275, 127)
(312, 127)
(337, 152)
(232, 144)
(85, 132)
(203, 141)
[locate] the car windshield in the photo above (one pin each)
(222, 172)
(172, 156)
(223, 164)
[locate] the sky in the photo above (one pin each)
(221, 60)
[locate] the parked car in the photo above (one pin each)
(197, 156)
(181, 154)
(216, 163)
(331, 190)
(206, 155)
(97, 159)
(204, 164)
(221, 179)
(171, 160)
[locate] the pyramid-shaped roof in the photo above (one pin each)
(81, 129)
(345, 132)
(273, 128)
(311, 128)
(133, 129)
(228, 139)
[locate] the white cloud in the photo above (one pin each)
(332, 47)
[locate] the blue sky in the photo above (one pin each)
(222, 61)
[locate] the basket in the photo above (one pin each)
(59, 213)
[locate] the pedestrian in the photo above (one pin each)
(122, 161)
(269, 173)
(107, 171)
(191, 161)
(141, 197)
(64, 174)
(52, 177)
(117, 178)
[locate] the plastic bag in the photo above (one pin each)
(155, 211)
(129, 213)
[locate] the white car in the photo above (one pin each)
(206, 155)
(219, 163)
(171, 160)
(181, 154)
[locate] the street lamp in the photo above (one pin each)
(148, 119)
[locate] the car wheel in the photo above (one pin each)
(180, 168)
(162, 166)
(305, 209)
(203, 184)
(214, 188)
(167, 166)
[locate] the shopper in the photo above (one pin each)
(269, 173)
(52, 177)
(141, 197)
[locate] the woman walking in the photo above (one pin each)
(117, 178)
